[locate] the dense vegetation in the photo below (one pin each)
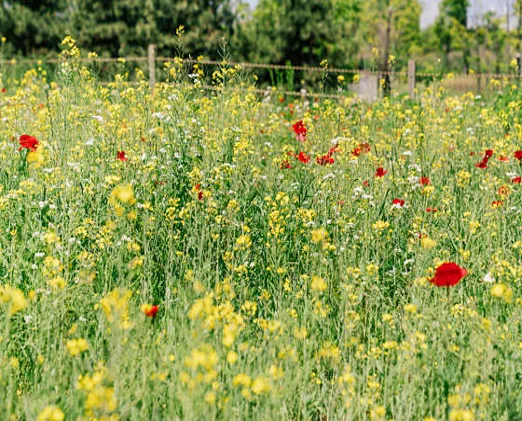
(194, 254)
(349, 33)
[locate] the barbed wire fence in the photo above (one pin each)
(371, 79)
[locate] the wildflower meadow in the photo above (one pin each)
(224, 254)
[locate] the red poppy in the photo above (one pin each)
(484, 163)
(448, 274)
(361, 149)
(497, 204)
(425, 181)
(120, 155)
(325, 160)
(518, 155)
(197, 187)
(285, 165)
(380, 172)
(431, 210)
(503, 158)
(299, 128)
(4, 90)
(366, 183)
(516, 180)
(303, 157)
(28, 142)
(364, 147)
(150, 310)
(398, 203)
(333, 150)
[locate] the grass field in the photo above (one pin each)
(198, 255)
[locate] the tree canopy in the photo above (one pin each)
(349, 33)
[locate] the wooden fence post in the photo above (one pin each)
(411, 78)
(152, 65)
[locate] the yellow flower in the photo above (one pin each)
(116, 306)
(378, 413)
(57, 283)
(13, 298)
(243, 242)
(101, 399)
(318, 284)
(474, 226)
(260, 386)
(428, 243)
(319, 235)
(461, 415)
(300, 333)
(76, 346)
(410, 308)
(89, 383)
(210, 398)
(242, 380)
(50, 237)
(51, 413)
(232, 357)
(123, 193)
(502, 291)
(36, 159)
(204, 356)
(276, 372)
(380, 225)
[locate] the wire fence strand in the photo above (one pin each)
(248, 65)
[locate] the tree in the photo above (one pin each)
(347, 27)
(114, 27)
(406, 31)
(209, 24)
(299, 31)
(118, 27)
(34, 26)
(494, 38)
(451, 28)
(392, 27)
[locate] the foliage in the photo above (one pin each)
(117, 27)
(346, 33)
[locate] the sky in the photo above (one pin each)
(477, 8)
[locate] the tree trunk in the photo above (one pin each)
(385, 68)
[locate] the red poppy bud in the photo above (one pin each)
(150, 310)
(120, 155)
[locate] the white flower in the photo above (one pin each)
(488, 278)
